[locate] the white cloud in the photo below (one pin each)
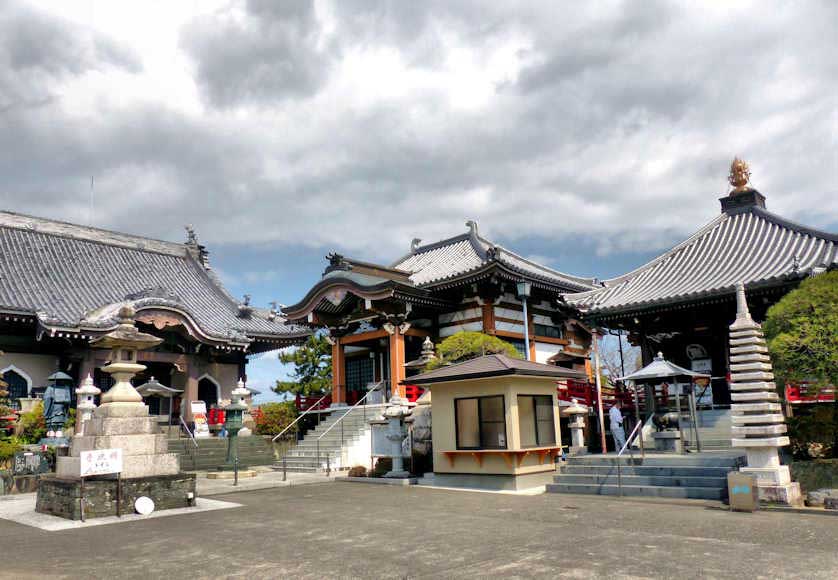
(362, 124)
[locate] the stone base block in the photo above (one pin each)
(132, 465)
(779, 475)
(577, 450)
(668, 441)
(121, 410)
(62, 496)
(121, 426)
(788, 494)
(496, 482)
(147, 444)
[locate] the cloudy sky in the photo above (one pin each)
(590, 136)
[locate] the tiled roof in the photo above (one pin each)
(744, 244)
(74, 277)
(468, 253)
(493, 365)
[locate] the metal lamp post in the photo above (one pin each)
(233, 420)
(524, 292)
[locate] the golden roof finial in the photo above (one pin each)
(739, 176)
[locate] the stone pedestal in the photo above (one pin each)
(395, 412)
(668, 441)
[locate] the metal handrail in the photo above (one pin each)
(627, 444)
(306, 412)
(191, 436)
(342, 417)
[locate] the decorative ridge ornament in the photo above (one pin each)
(740, 175)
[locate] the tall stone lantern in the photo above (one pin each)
(120, 426)
(122, 399)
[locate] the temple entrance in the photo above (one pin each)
(360, 372)
(18, 386)
(208, 392)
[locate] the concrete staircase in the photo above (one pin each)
(341, 454)
(212, 451)
(695, 476)
(713, 430)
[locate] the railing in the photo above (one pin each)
(192, 453)
(627, 445)
(342, 417)
(315, 406)
(307, 403)
(807, 393)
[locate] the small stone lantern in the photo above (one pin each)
(85, 403)
(397, 409)
(233, 421)
(576, 421)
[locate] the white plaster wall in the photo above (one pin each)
(544, 350)
(509, 327)
(460, 315)
(509, 313)
(449, 330)
(37, 366)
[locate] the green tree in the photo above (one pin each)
(468, 345)
(272, 418)
(312, 374)
(802, 332)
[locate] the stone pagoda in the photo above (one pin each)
(758, 422)
(120, 422)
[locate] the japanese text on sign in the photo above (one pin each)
(101, 462)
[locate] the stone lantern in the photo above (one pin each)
(233, 421)
(576, 421)
(397, 409)
(85, 402)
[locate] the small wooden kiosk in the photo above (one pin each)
(495, 422)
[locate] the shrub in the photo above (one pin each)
(468, 345)
(33, 426)
(274, 417)
(814, 434)
(8, 447)
(358, 471)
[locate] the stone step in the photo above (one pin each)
(699, 460)
(658, 481)
(646, 470)
(711, 493)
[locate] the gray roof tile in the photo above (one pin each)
(493, 365)
(71, 277)
(752, 246)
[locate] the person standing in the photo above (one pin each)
(616, 416)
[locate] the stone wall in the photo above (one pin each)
(60, 497)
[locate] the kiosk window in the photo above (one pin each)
(535, 417)
(480, 422)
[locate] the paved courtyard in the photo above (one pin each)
(358, 530)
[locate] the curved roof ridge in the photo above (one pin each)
(612, 283)
(64, 229)
(580, 279)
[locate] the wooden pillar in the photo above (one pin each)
(488, 317)
(397, 370)
(191, 391)
(338, 373)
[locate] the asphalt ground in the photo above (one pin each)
(353, 530)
